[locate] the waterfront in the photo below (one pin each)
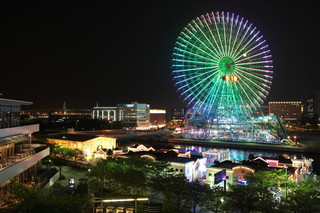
(307, 140)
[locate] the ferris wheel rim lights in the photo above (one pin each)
(221, 57)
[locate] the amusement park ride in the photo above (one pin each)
(223, 68)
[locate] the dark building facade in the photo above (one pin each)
(176, 114)
(286, 110)
(311, 107)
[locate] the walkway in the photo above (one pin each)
(69, 172)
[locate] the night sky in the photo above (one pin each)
(120, 52)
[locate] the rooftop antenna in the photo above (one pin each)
(97, 104)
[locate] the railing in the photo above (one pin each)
(15, 158)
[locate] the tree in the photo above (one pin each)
(26, 199)
(47, 161)
(213, 200)
(175, 190)
(101, 171)
(197, 192)
(56, 150)
(134, 180)
(77, 154)
(241, 198)
(267, 185)
(259, 194)
(305, 196)
(60, 163)
(68, 153)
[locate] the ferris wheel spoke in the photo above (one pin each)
(191, 55)
(230, 34)
(255, 62)
(196, 84)
(251, 50)
(197, 76)
(244, 36)
(200, 92)
(253, 57)
(254, 48)
(242, 103)
(208, 28)
(192, 69)
(237, 34)
(213, 54)
(257, 92)
(255, 69)
(248, 43)
(237, 102)
(248, 81)
(195, 62)
(204, 101)
(250, 94)
(214, 96)
(218, 33)
(250, 77)
(224, 33)
(203, 34)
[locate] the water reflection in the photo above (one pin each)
(234, 154)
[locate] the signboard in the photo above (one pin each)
(220, 176)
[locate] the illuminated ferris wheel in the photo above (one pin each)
(222, 66)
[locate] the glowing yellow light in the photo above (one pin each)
(125, 200)
(230, 78)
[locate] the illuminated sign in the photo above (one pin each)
(129, 105)
(220, 176)
(230, 78)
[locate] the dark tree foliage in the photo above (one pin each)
(25, 199)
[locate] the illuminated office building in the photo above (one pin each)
(133, 115)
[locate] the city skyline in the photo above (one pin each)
(88, 53)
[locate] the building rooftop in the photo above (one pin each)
(227, 164)
(230, 164)
(72, 137)
(11, 101)
(166, 156)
